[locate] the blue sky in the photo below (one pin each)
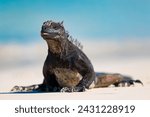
(21, 20)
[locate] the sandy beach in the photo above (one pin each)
(22, 65)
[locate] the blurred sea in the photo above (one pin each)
(14, 55)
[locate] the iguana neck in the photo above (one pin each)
(54, 46)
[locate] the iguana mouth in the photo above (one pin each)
(48, 35)
(44, 34)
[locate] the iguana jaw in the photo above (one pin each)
(50, 36)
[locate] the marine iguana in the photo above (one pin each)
(67, 68)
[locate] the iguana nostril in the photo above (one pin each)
(44, 28)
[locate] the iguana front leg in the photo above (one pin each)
(85, 68)
(73, 89)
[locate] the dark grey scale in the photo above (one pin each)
(67, 68)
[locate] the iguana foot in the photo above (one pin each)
(35, 88)
(72, 89)
(24, 88)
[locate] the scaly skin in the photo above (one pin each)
(67, 68)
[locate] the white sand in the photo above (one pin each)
(17, 69)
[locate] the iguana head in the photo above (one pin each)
(52, 30)
(55, 36)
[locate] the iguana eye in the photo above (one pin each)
(55, 27)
